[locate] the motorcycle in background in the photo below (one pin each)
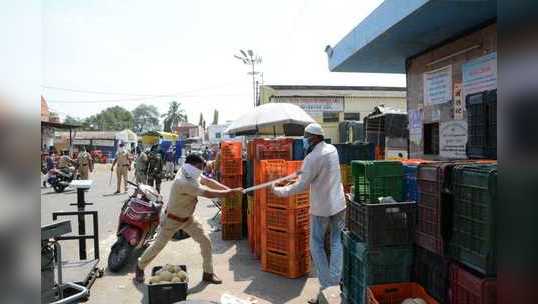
(60, 179)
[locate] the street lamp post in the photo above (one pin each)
(251, 59)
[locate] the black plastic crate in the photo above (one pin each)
(491, 101)
(431, 271)
(382, 224)
(167, 293)
(355, 151)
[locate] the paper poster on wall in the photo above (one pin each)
(415, 118)
(438, 86)
(458, 104)
(436, 114)
(452, 139)
(479, 75)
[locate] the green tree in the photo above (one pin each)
(146, 118)
(111, 119)
(70, 120)
(174, 116)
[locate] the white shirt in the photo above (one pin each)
(321, 172)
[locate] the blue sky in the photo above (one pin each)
(185, 48)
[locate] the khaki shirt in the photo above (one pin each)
(64, 162)
(84, 158)
(184, 195)
(122, 158)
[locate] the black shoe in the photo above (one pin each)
(44, 184)
(313, 301)
(117, 192)
(211, 278)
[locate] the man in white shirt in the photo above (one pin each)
(321, 174)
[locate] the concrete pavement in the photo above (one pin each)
(233, 262)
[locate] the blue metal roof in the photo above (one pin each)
(399, 29)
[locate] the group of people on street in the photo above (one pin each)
(83, 164)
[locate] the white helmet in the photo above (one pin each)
(315, 129)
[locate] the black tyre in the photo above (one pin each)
(119, 254)
(58, 188)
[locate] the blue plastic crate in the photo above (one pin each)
(410, 183)
(298, 149)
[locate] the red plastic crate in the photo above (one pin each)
(285, 265)
(468, 288)
(230, 149)
(396, 293)
(232, 231)
(287, 220)
(261, 148)
(231, 167)
(250, 223)
(232, 181)
(294, 166)
(232, 211)
(293, 244)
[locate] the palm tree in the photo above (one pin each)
(174, 116)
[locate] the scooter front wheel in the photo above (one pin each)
(119, 254)
(58, 188)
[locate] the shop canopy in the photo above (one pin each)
(397, 30)
(271, 118)
(152, 137)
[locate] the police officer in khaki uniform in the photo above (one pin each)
(123, 158)
(188, 184)
(85, 163)
(141, 168)
(66, 163)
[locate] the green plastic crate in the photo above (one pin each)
(374, 179)
(363, 266)
(473, 230)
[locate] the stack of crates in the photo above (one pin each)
(284, 224)
(379, 236)
(263, 149)
(472, 243)
(231, 172)
(410, 178)
(349, 152)
(482, 124)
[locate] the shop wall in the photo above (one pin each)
(478, 43)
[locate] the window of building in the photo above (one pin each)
(217, 135)
(352, 116)
(431, 138)
(330, 116)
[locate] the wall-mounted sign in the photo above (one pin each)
(314, 105)
(452, 139)
(436, 114)
(458, 104)
(479, 74)
(81, 141)
(415, 118)
(438, 86)
(103, 142)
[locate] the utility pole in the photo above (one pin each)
(251, 59)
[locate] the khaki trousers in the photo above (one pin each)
(121, 172)
(84, 171)
(167, 229)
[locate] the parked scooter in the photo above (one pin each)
(139, 219)
(60, 179)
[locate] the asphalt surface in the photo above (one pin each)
(233, 262)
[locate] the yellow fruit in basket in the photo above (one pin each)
(166, 276)
(182, 275)
(176, 280)
(168, 267)
(176, 269)
(154, 279)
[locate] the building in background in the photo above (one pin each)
(50, 122)
(215, 133)
(448, 51)
(332, 105)
(105, 141)
(187, 130)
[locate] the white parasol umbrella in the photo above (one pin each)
(270, 115)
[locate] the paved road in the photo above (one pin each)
(234, 263)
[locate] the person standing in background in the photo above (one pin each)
(123, 158)
(85, 162)
(141, 167)
(155, 168)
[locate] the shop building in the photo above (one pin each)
(330, 106)
(447, 49)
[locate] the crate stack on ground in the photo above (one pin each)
(263, 149)
(410, 178)
(284, 224)
(379, 236)
(472, 242)
(231, 171)
(349, 152)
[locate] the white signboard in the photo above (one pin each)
(415, 118)
(438, 86)
(315, 105)
(479, 75)
(103, 142)
(81, 142)
(452, 139)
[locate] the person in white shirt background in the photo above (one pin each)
(321, 175)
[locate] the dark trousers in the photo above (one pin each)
(156, 180)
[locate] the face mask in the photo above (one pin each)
(306, 143)
(191, 171)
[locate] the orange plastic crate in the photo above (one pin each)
(231, 215)
(230, 149)
(232, 181)
(285, 265)
(294, 166)
(232, 231)
(231, 167)
(293, 244)
(299, 200)
(397, 292)
(287, 220)
(272, 169)
(250, 223)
